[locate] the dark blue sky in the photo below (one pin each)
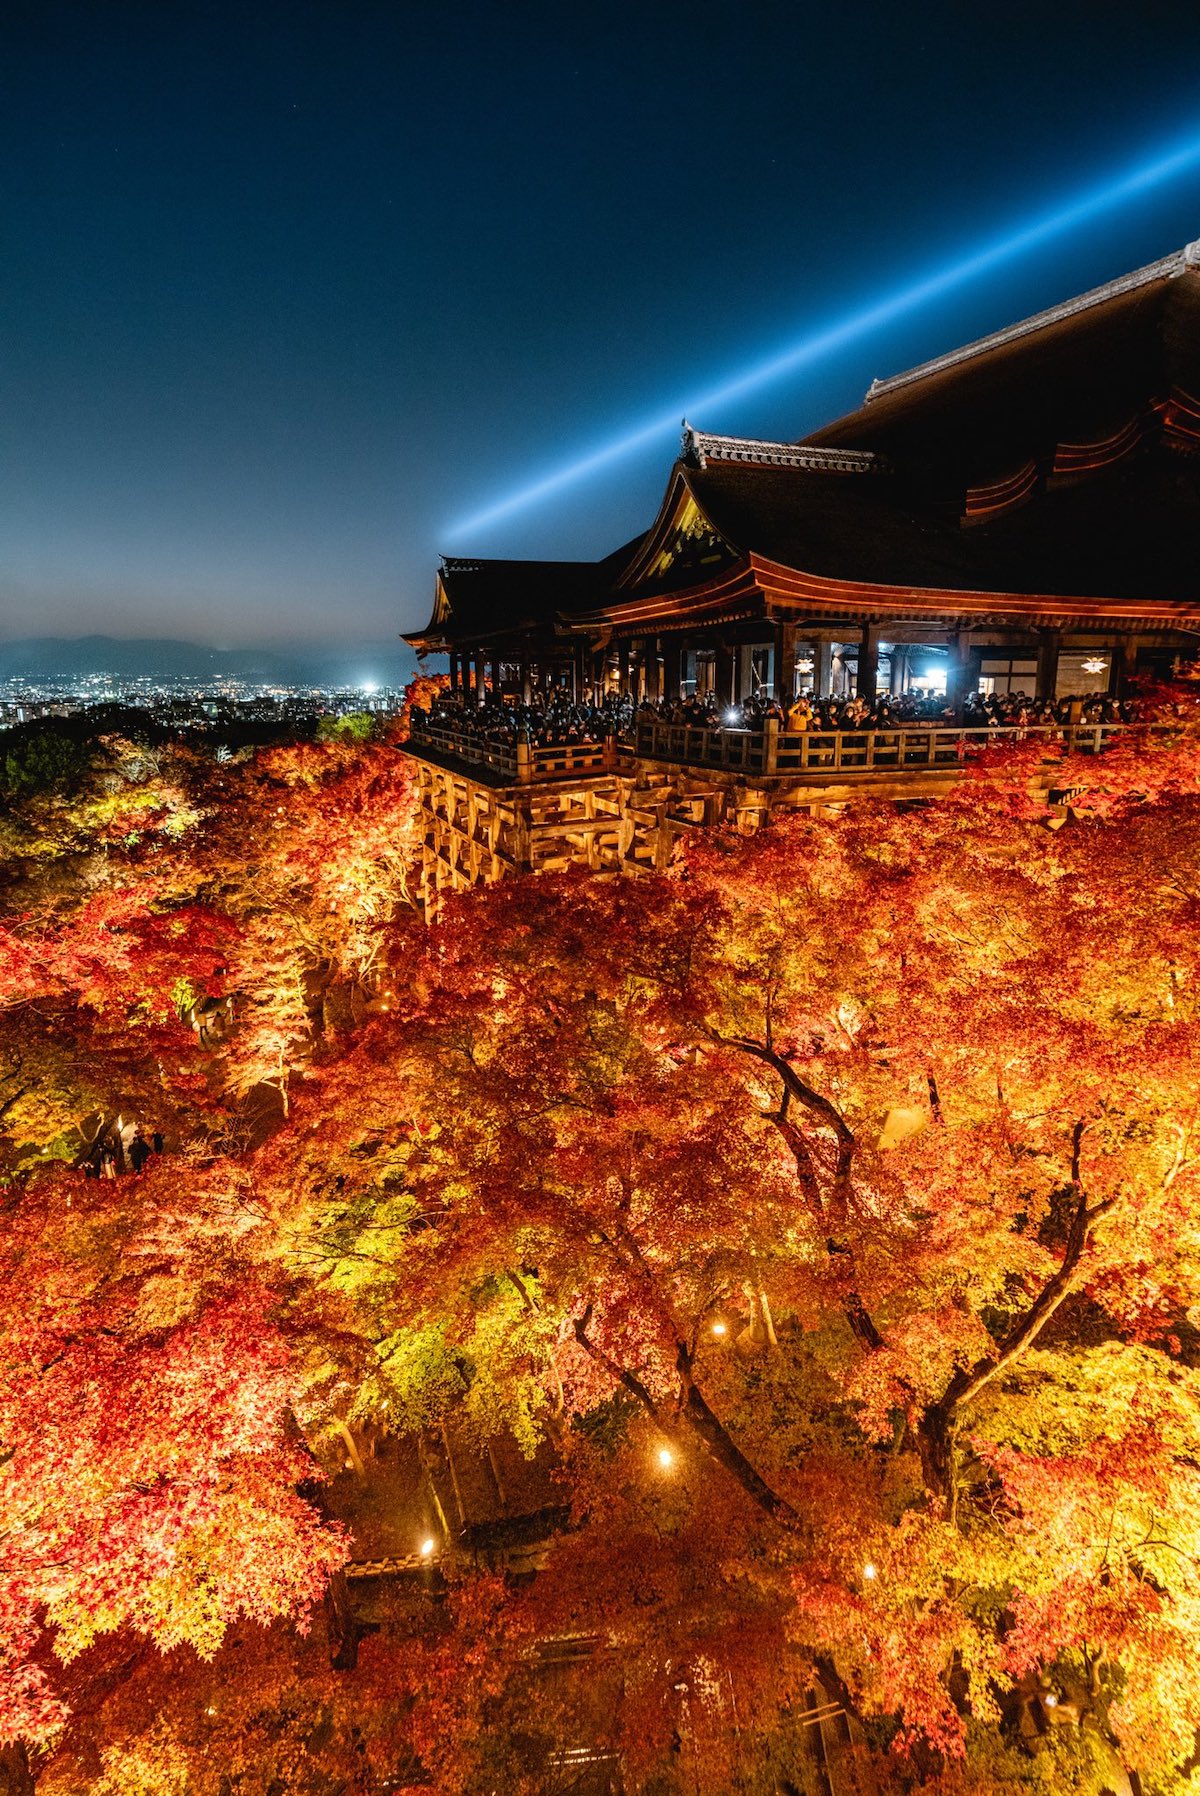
(291, 290)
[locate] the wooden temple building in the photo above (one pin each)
(1021, 514)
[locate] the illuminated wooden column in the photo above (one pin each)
(1047, 662)
(453, 671)
(784, 672)
(868, 664)
(823, 670)
(479, 667)
(899, 669)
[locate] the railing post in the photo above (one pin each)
(610, 752)
(524, 759)
(770, 744)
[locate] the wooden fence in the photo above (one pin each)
(768, 752)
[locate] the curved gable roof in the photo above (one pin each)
(1074, 373)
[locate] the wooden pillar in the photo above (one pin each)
(868, 664)
(958, 667)
(653, 669)
(1124, 666)
(726, 673)
(673, 668)
(1047, 662)
(899, 669)
(453, 671)
(623, 666)
(823, 669)
(526, 684)
(479, 676)
(784, 681)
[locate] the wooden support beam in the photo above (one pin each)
(1124, 666)
(1049, 642)
(868, 663)
(958, 668)
(785, 662)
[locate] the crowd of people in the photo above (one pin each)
(560, 720)
(553, 722)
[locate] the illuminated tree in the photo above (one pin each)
(147, 1412)
(912, 1093)
(823, 1214)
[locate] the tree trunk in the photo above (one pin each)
(16, 1777)
(938, 1425)
(707, 1426)
(721, 1444)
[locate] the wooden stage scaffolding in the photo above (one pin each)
(496, 810)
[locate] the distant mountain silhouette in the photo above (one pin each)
(340, 664)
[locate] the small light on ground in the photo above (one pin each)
(869, 1571)
(428, 1547)
(1050, 1700)
(718, 1328)
(666, 1458)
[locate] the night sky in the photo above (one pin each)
(291, 292)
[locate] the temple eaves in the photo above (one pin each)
(699, 448)
(1167, 268)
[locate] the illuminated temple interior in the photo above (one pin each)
(1019, 515)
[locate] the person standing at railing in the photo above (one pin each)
(799, 715)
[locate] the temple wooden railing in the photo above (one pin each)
(520, 761)
(771, 751)
(767, 753)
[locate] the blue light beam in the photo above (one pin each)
(832, 337)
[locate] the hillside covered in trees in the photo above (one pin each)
(727, 1331)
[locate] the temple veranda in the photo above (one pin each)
(621, 806)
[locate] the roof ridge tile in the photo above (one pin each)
(1166, 268)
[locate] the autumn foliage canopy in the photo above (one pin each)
(819, 1220)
